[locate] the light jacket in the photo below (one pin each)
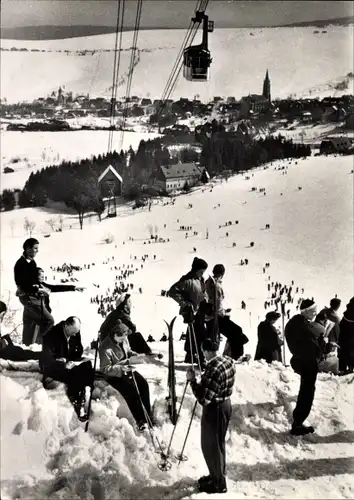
(188, 290)
(114, 356)
(215, 296)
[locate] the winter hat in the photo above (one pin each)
(199, 264)
(219, 270)
(210, 345)
(307, 304)
(119, 329)
(272, 316)
(122, 298)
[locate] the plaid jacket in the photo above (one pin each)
(217, 381)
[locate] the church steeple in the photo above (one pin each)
(266, 87)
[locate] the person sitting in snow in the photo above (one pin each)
(302, 338)
(219, 320)
(122, 314)
(8, 350)
(116, 359)
(44, 289)
(61, 348)
(189, 293)
(269, 343)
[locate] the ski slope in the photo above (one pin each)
(300, 63)
(45, 453)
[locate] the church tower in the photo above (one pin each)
(266, 87)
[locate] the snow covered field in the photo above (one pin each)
(44, 452)
(300, 62)
(29, 152)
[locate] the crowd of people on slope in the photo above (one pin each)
(121, 347)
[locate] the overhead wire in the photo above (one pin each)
(192, 30)
(131, 68)
(116, 66)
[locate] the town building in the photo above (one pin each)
(174, 177)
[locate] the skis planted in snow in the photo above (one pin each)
(171, 378)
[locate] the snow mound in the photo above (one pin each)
(113, 461)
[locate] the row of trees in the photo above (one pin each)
(75, 183)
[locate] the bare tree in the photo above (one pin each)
(51, 223)
(29, 226)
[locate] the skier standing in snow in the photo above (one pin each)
(219, 320)
(115, 364)
(26, 279)
(213, 392)
(346, 340)
(189, 293)
(303, 342)
(269, 343)
(332, 327)
(61, 348)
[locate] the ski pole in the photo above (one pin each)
(178, 414)
(147, 417)
(196, 347)
(92, 384)
(181, 457)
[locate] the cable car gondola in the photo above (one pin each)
(196, 58)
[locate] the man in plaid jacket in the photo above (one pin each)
(213, 393)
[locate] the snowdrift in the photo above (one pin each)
(46, 454)
(300, 62)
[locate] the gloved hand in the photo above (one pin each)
(190, 375)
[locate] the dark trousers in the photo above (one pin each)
(35, 313)
(308, 375)
(126, 387)
(194, 352)
(232, 332)
(138, 343)
(76, 378)
(345, 359)
(16, 353)
(214, 424)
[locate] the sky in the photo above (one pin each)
(168, 13)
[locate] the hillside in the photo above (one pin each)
(299, 61)
(44, 451)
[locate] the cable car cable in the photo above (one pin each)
(131, 67)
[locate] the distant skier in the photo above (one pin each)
(303, 342)
(189, 293)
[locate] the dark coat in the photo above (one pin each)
(120, 314)
(189, 290)
(302, 339)
(269, 343)
(346, 336)
(26, 275)
(55, 345)
(54, 289)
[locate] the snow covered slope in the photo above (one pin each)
(44, 452)
(300, 62)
